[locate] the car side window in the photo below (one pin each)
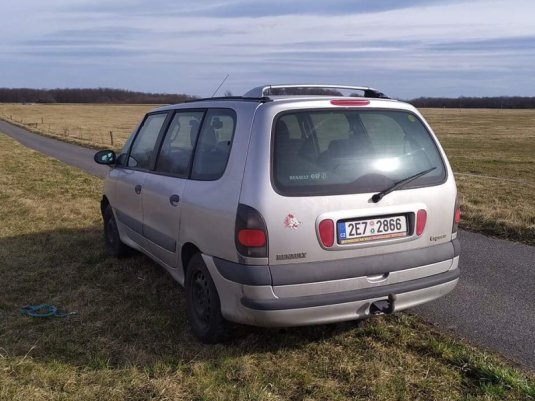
(143, 146)
(177, 148)
(121, 157)
(213, 147)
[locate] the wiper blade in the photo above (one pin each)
(378, 196)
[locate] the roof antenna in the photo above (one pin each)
(220, 85)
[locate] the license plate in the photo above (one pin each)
(376, 228)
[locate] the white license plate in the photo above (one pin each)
(372, 229)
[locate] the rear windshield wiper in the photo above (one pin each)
(378, 196)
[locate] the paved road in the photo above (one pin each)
(74, 155)
(494, 302)
(493, 306)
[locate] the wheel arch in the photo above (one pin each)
(104, 203)
(186, 253)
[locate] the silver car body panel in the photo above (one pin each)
(161, 218)
(128, 206)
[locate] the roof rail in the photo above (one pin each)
(230, 98)
(312, 90)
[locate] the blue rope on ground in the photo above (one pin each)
(43, 310)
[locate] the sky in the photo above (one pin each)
(406, 49)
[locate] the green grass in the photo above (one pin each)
(131, 341)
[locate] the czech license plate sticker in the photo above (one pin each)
(377, 228)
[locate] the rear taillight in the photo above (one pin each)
(251, 233)
(326, 231)
(421, 219)
(456, 216)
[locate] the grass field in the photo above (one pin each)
(85, 124)
(492, 153)
(130, 340)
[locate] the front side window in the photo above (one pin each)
(213, 147)
(143, 146)
(177, 148)
(121, 157)
(327, 152)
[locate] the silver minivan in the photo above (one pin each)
(290, 205)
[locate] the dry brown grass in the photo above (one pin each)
(85, 124)
(492, 153)
(131, 341)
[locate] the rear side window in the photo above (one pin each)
(328, 152)
(143, 146)
(213, 146)
(177, 147)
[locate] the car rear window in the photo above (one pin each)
(328, 152)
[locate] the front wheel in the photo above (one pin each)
(202, 303)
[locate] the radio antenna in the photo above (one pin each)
(220, 85)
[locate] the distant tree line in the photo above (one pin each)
(100, 95)
(502, 102)
(108, 95)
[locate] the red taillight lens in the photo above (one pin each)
(350, 102)
(252, 238)
(326, 230)
(421, 219)
(456, 216)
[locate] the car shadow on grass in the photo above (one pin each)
(130, 311)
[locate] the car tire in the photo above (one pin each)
(114, 245)
(203, 306)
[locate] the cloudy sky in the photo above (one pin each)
(405, 48)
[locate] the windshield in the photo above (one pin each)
(327, 152)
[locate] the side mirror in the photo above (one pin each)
(105, 157)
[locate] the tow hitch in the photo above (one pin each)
(383, 306)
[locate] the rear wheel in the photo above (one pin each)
(202, 303)
(114, 245)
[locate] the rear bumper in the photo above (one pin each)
(341, 312)
(254, 295)
(380, 292)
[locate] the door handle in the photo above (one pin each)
(137, 188)
(174, 199)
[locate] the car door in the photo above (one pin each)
(129, 178)
(163, 189)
